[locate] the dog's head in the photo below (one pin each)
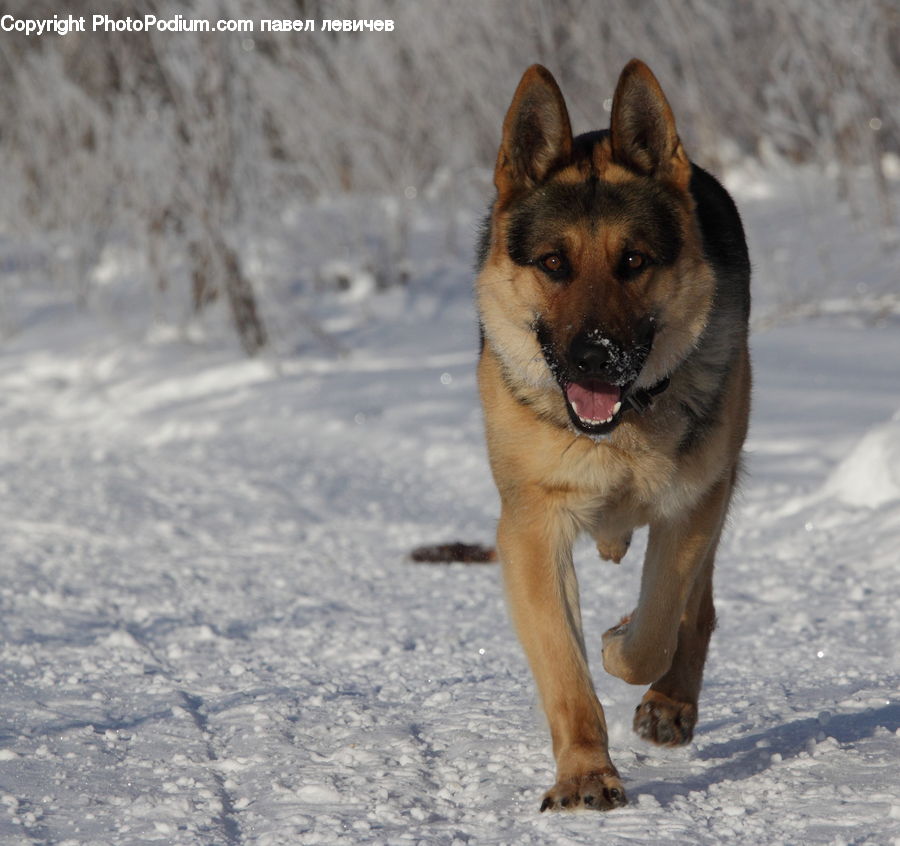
(593, 285)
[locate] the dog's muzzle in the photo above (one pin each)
(600, 375)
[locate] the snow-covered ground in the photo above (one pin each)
(210, 632)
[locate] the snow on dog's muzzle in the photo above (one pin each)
(600, 374)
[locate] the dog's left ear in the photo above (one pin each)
(642, 128)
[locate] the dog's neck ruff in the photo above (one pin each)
(641, 399)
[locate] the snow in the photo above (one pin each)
(870, 474)
(211, 632)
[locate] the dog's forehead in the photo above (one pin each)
(640, 208)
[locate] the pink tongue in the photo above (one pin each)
(593, 400)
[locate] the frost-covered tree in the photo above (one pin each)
(188, 147)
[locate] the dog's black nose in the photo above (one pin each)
(591, 354)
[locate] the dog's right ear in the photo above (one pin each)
(537, 134)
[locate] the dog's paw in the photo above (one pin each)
(598, 790)
(664, 721)
(622, 660)
(616, 661)
(613, 549)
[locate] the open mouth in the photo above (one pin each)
(594, 406)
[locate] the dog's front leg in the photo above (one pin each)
(535, 544)
(675, 585)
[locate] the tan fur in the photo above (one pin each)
(555, 483)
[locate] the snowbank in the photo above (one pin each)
(870, 474)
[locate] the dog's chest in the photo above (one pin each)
(609, 476)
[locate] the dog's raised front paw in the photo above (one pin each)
(616, 661)
(664, 721)
(624, 660)
(599, 790)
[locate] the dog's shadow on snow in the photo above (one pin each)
(746, 756)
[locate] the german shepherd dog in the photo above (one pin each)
(613, 296)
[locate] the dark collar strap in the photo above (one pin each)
(641, 399)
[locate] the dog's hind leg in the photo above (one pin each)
(666, 636)
(535, 547)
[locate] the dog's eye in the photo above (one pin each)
(633, 262)
(552, 262)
